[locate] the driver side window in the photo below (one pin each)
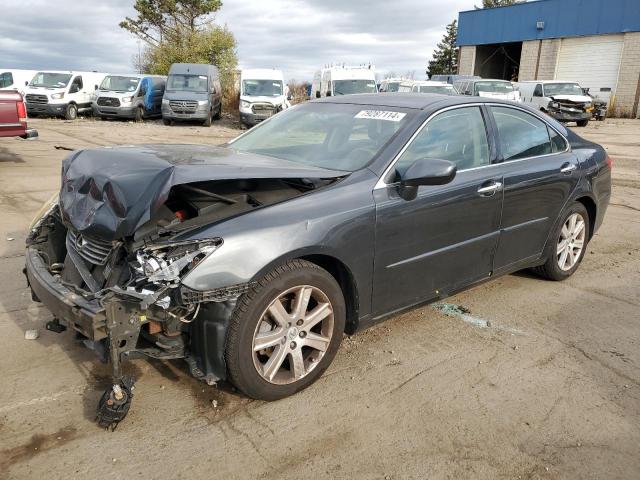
(457, 135)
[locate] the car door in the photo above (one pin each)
(446, 237)
(539, 174)
(78, 96)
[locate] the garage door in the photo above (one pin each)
(593, 62)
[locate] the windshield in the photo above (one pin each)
(262, 88)
(328, 135)
(551, 89)
(493, 87)
(444, 89)
(120, 84)
(392, 87)
(187, 83)
(346, 87)
(51, 80)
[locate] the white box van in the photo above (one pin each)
(262, 95)
(62, 93)
(564, 101)
(15, 79)
(129, 96)
(344, 81)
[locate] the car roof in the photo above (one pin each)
(424, 101)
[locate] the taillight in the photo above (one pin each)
(22, 112)
(609, 161)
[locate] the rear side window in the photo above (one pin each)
(521, 135)
(6, 80)
(558, 144)
(457, 135)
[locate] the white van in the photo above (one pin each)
(129, 96)
(15, 79)
(426, 86)
(62, 93)
(564, 101)
(391, 84)
(344, 81)
(262, 94)
(488, 88)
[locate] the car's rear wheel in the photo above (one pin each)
(285, 331)
(568, 245)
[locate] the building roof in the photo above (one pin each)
(561, 18)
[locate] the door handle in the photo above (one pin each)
(490, 189)
(568, 168)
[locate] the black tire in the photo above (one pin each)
(551, 269)
(209, 119)
(139, 115)
(218, 114)
(239, 353)
(71, 112)
(166, 121)
(582, 123)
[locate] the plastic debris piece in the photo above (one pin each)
(31, 334)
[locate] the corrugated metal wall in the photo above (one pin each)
(562, 18)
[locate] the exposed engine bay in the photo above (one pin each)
(122, 294)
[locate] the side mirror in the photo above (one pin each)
(426, 171)
(328, 93)
(317, 94)
(95, 87)
(26, 82)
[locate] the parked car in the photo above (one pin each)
(488, 88)
(451, 79)
(251, 259)
(344, 80)
(129, 96)
(62, 93)
(426, 86)
(564, 101)
(390, 84)
(15, 79)
(13, 116)
(193, 92)
(262, 94)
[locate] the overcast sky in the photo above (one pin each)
(297, 36)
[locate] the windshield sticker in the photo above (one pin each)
(381, 115)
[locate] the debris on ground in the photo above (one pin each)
(31, 334)
(214, 403)
(452, 310)
(61, 147)
(10, 239)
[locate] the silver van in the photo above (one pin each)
(193, 92)
(129, 96)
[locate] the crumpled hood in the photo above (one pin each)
(572, 98)
(110, 192)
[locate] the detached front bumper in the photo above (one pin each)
(72, 310)
(569, 116)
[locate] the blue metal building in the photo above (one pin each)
(593, 42)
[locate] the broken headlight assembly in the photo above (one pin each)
(167, 263)
(44, 210)
(554, 105)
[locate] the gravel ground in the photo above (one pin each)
(550, 389)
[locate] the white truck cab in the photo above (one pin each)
(391, 84)
(15, 79)
(344, 80)
(263, 93)
(564, 101)
(62, 93)
(488, 88)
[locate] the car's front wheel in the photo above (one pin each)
(568, 245)
(285, 331)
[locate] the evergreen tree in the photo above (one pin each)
(445, 57)
(496, 3)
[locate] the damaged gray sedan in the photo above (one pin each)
(250, 260)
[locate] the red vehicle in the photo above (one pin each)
(13, 116)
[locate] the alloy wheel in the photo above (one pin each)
(571, 241)
(293, 334)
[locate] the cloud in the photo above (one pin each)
(297, 36)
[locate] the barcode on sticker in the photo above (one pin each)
(381, 115)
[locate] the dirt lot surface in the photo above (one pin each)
(550, 389)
